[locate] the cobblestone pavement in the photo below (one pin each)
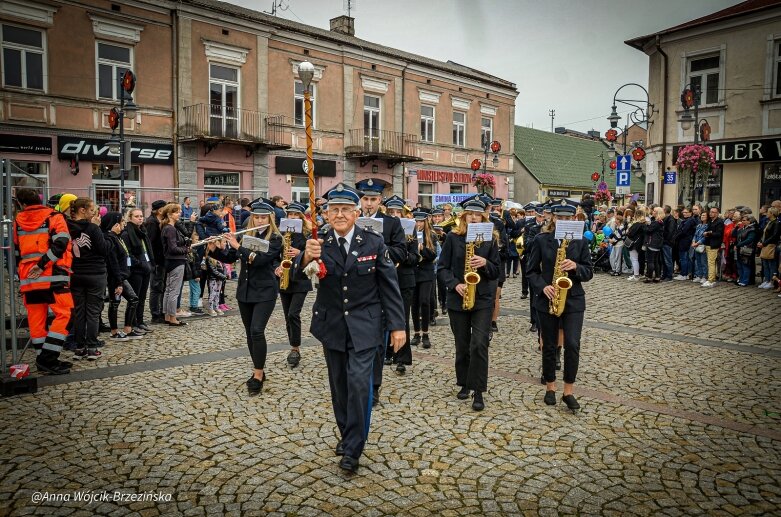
(685, 423)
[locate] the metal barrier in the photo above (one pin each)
(7, 272)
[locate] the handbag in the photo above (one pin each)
(768, 252)
(700, 248)
(746, 251)
(629, 242)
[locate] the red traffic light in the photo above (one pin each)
(496, 146)
(113, 118)
(595, 176)
(128, 81)
(638, 153)
(476, 164)
(613, 164)
(611, 135)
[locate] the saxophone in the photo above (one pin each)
(471, 277)
(286, 264)
(561, 282)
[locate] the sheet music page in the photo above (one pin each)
(408, 225)
(482, 230)
(571, 230)
(370, 223)
(255, 244)
(291, 225)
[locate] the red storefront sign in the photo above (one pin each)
(444, 176)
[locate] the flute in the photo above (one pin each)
(214, 238)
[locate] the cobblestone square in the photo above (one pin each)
(680, 416)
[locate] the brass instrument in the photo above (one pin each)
(520, 244)
(453, 221)
(561, 282)
(284, 279)
(471, 277)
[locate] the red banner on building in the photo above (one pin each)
(444, 176)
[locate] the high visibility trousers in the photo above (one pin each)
(48, 342)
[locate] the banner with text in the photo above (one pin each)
(444, 176)
(441, 199)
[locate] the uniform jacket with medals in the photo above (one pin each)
(450, 270)
(257, 281)
(297, 283)
(355, 293)
(542, 260)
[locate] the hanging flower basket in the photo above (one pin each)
(603, 195)
(484, 182)
(696, 158)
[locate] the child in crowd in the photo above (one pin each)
(215, 274)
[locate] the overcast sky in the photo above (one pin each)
(566, 55)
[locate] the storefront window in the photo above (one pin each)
(707, 194)
(33, 175)
(425, 194)
(771, 183)
(299, 192)
(110, 171)
(456, 189)
(218, 183)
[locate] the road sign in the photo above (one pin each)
(622, 191)
(669, 178)
(624, 162)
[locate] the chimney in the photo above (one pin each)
(594, 134)
(343, 25)
(560, 130)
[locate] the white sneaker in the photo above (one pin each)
(703, 280)
(708, 284)
(679, 277)
(633, 278)
(211, 312)
(766, 285)
(200, 303)
(696, 279)
(183, 314)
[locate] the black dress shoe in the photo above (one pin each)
(65, 364)
(524, 296)
(158, 319)
(387, 361)
(477, 402)
(494, 327)
(532, 328)
(426, 341)
(375, 396)
(293, 358)
(255, 386)
(550, 397)
(401, 369)
(349, 464)
(339, 448)
(463, 394)
(558, 358)
(433, 322)
(415, 340)
(52, 368)
(571, 402)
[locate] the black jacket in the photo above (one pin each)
(152, 225)
(174, 244)
(407, 268)
(670, 225)
(654, 235)
(257, 281)
(89, 248)
(685, 233)
(636, 234)
(542, 260)
(772, 233)
(393, 236)
(424, 270)
(716, 235)
(117, 260)
(139, 248)
(450, 271)
(296, 283)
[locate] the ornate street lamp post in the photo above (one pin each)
(690, 101)
(641, 113)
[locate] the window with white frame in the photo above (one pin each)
(24, 55)
(456, 188)
(371, 122)
(112, 62)
(704, 74)
(223, 100)
(425, 194)
(299, 191)
(427, 123)
(298, 104)
(777, 69)
(459, 128)
(486, 130)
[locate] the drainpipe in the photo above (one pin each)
(403, 113)
(175, 88)
(664, 120)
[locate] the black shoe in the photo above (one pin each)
(349, 464)
(158, 320)
(542, 380)
(444, 310)
(558, 358)
(52, 368)
(375, 396)
(463, 394)
(550, 397)
(494, 327)
(433, 322)
(532, 328)
(426, 341)
(401, 369)
(196, 310)
(255, 386)
(145, 328)
(387, 361)
(436, 313)
(293, 358)
(339, 448)
(571, 402)
(477, 403)
(65, 364)
(104, 328)
(415, 340)
(524, 296)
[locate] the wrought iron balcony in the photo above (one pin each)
(215, 123)
(373, 144)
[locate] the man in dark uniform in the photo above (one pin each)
(577, 266)
(359, 286)
(533, 228)
(393, 236)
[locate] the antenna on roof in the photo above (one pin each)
(350, 6)
(277, 4)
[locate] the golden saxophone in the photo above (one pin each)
(284, 279)
(561, 282)
(520, 244)
(471, 277)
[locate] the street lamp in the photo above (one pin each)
(690, 102)
(116, 121)
(641, 113)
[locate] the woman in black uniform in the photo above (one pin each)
(394, 207)
(298, 285)
(577, 265)
(424, 276)
(470, 326)
(258, 287)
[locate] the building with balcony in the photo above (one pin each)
(733, 57)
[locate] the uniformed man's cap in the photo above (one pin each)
(564, 207)
(262, 208)
(370, 187)
(295, 207)
(529, 206)
(420, 214)
(473, 204)
(546, 207)
(343, 195)
(485, 198)
(539, 209)
(497, 201)
(437, 211)
(394, 202)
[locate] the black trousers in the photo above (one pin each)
(130, 311)
(139, 281)
(404, 355)
(470, 332)
(350, 379)
(255, 317)
(572, 324)
(157, 288)
(87, 292)
(653, 263)
(421, 306)
(379, 358)
(511, 266)
(441, 293)
(433, 300)
(532, 311)
(524, 278)
(291, 306)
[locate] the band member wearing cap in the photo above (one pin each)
(424, 277)
(258, 287)
(577, 265)
(393, 236)
(394, 207)
(533, 229)
(470, 327)
(359, 286)
(495, 207)
(437, 290)
(294, 295)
